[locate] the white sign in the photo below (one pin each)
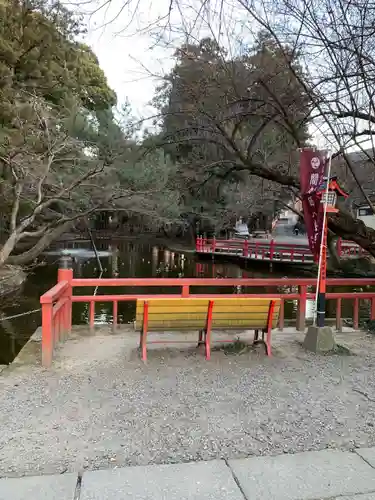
(315, 162)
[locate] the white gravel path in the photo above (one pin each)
(99, 406)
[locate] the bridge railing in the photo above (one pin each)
(57, 302)
(270, 249)
(56, 318)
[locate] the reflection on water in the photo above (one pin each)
(124, 259)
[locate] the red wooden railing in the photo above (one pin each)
(57, 302)
(270, 250)
(56, 314)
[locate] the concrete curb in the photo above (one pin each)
(327, 474)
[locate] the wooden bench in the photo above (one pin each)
(205, 315)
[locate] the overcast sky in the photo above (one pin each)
(128, 52)
(134, 62)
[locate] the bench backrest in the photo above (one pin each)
(191, 313)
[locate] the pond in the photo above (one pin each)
(118, 259)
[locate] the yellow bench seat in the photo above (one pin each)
(205, 315)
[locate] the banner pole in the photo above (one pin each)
(319, 316)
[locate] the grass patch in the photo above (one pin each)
(339, 350)
(370, 326)
(235, 347)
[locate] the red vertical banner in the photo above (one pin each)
(312, 170)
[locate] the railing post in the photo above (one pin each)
(65, 273)
(372, 311)
(200, 244)
(185, 291)
(213, 246)
(115, 314)
(281, 315)
(301, 310)
(338, 315)
(47, 335)
(356, 314)
(339, 247)
(246, 248)
(92, 316)
(272, 249)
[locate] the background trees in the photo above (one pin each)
(223, 117)
(225, 143)
(332, 41)
(62, 152)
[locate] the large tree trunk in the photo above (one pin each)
(34, 252)
(349, 228)
(8, 248)
(332, 247)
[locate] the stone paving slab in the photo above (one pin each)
(304, 476)
(189, 481)
(366, 496)
(367, 454)
(54, 487)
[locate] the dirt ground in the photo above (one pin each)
(100, 406)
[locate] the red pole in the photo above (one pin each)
(321, 302)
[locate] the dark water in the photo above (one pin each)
(122, 259)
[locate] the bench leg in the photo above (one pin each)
(256, 336)
(269, 328)
(200, 338)
(207, 336)
(144, 333)
(257, 340)
(207, 341)
(268, 343)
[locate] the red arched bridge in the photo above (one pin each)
(270, 250)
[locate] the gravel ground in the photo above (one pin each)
(99, 406)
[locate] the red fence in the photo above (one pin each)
(57, 302)
(270, 250)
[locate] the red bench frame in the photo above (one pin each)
(207, 332)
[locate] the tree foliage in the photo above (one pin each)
(62, 152)
(39, 56)
(221, 114)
